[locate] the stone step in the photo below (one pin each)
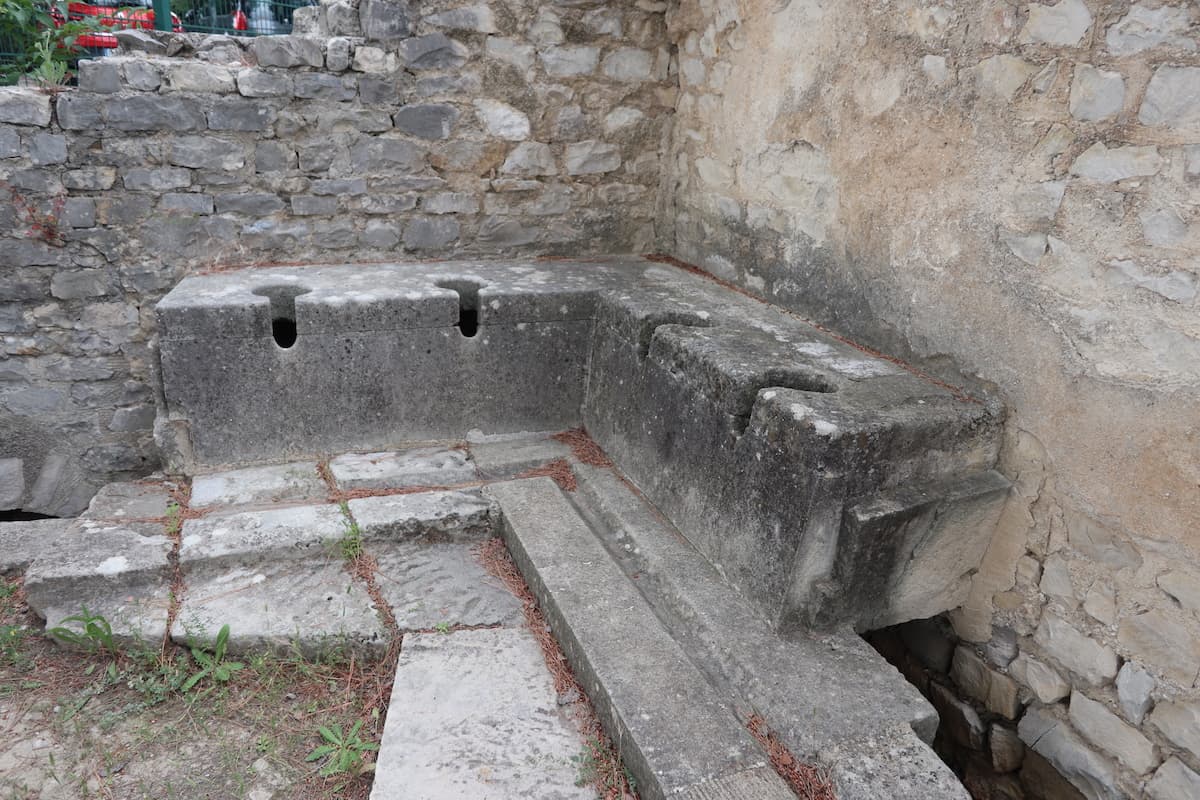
(829, 697)
(120, 570)
(312, 606)
(676, 734)
(426, 466)
(474, 716)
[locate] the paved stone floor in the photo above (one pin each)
(269, 551)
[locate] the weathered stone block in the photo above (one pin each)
(1062, 24)
(207, 152)
(1180, 722)
(12, 482)
(592, 158)
(1172, 98)
(1096, 94)
(287, 51)
(141, 75)
(90, 178)
(502, 120)
(240, 115)
(1057, 743)
(570, 62)
(188, 203)
(1165, 641)
(156, 180)
(47, 148)
(197, 76)
(309, 205)
(253, 203)
(1134, 688)
(78, 284)
(432, 51)
(263, 83)
(273, 157)
(1104, 165)
(426, 121)
(530, 158)
(322, 86)
(23, 106)
(78, 111)
(385, 20)
(1174, 781)
(477, 18)
(143, 112)
(629, 65)
(1106, 730)
(1084, 656)
(1144, 28)
(10, 142)
(450, 203)
(423, 233)
(376, 155)
(102, 77)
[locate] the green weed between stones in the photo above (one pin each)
(351, 543)
(343, 752)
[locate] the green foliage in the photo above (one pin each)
(343, 752)
(97, 634)
(39, 48)
(351, 543)
(213, 665)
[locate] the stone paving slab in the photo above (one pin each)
(474, 715)
(431, 584)
(427, 466)
(119, 570)
(276, 483)
(130, 501)
(253, 537)
(98, 558)
(314, 605)
(674, 732)
(21, 543)
(439, 515)
(506, 459)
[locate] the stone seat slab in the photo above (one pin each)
(474, 716)
(426, 466)
(454, 515)
(250, 537)
(438, 583)
(266, 485)
(312, 606)
(829, 697)
(676, 735)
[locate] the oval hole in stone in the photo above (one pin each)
(468, 303)
(283, 311)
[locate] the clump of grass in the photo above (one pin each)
(351, 543)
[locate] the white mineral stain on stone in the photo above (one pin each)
(114, 565)
(769, 395)
(861, 368)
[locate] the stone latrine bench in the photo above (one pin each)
(827, 485)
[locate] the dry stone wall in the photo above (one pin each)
(383, 130)
(1015, 186)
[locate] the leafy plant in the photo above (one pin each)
(213, 664)
(42, 46)
(442, 627)
(343, 752)
(96, 634)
